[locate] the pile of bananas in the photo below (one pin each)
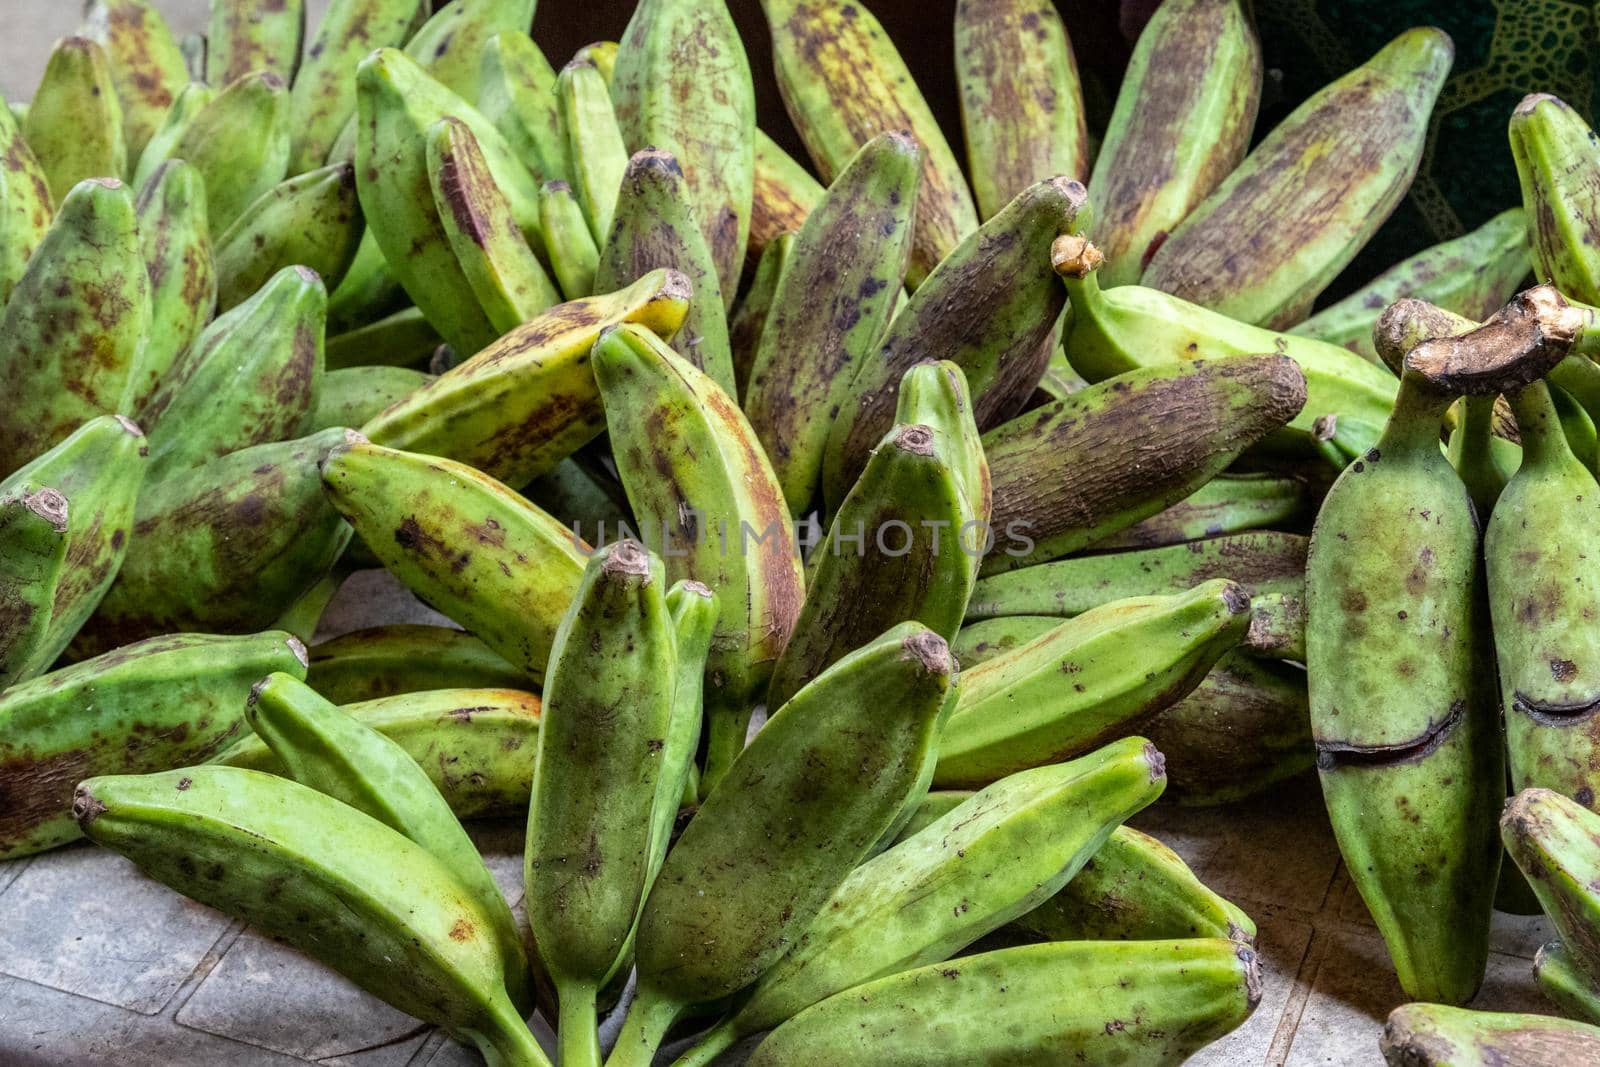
(676, 432)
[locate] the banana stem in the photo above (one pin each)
(579, 1029)
(713, 1043)
(646, 1026)
(507, 1041)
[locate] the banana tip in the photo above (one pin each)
(298, 647)
(1252, 974)
(915, 438)
(628, 557)
(1157, 761)
(86, 807)
(929, 649)
(50, 506)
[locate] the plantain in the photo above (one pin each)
(162, 703)
(574, 257)
(982, 641)
(353, 395)
(74, 122)
(311, 220)
(694, 621)
(829, 309)
(147, 69)
(1227, 504)
(748, 322)
(1141, 1003)
(327, 879)
(393, 660)
(239, 143)
(596, 152)
(681, 84)
(1181, 124)
(695, 474)
(74, 324)
(247, 35)
(784, 194)
(25, 204)
(844, 83)
(653, 227)
(452, 43)
(403, 339)
(1312, 192)
(190, 101)
(517, 92)
(1564, 983)
(1436, 1035)
(528, 401)
(583, 496)
(33, 557)
(1551, 838)
(175, 236)
(1554, 151)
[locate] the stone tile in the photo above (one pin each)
(373, 598)
(85, 921)
(10, 869)
(1513, 935)
(1190, 832)
(1281, 946)
(267, 994)
(1277, 850)
(40, 1026)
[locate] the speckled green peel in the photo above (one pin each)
(574, 257)
(176, 238)
(25, 203)
(33, 556)
(191, 99)
(1565, 984)
(596, 152)
(239, 143)
(147, 69)
(1227, 504)
(451, 44)
(748, 322)
(982, 641)
(1555, 841)
(74, 123)
(354, 396)
(312, 220)
(162, 703)
(1435, 1035)
(404, 339)
(785, 192)
(1555, 154)
(517, 92)
(393, 660)
(247, 35)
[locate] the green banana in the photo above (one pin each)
(748, 322)
(603, 54)
(695, 474)
(25, 204)
(239, 143)
(508, 280)
(1112, 331)
(1484, 462)
(983, 641)
(1472, 275)
(817, 787)
(326, 878)
(355, 395)
(74, 122)
(342, 757)
(247, 35)
(226, 547)
(654, 226)
(403, 339)
(1564, 983)
(147, 69)
(451, 44)
(1021, 104)
(784, 194)
(1227, 504)
(844, 83)
(830, 306)
(990, 308)
(517, 92)
(914, 529)
(161, 703)
(312, 220)
(1576, 426)
(324, 96)
(474, 743)
(1137, 1003)
(1554, 152)
(694, 622)
(190, 101)
(1058, 488)
(466, 544)
(1435, 1035)
(582, 496)
(596, 152)
(609, 697)
(993, 858)
(176, 239)
(573, 254)
(33, 557)
(1018, 710)
(529, 400)
(1134, 888)
(681, 84)
(97, 473)
(1552, 839)
(1181, 124)
(385, 661)
(74, 324)
(1312, 192)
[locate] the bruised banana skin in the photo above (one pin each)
(1554, 152)
(74, 123)
(517, 92)
(74, 325)
(574, 257)
(681, 83)
(474, 744)
(748, 322)
(819, 785)
(1021, 103)
(989, 307)
(1435, 1035)
(785, 193)
(519, 407)
(1181, 124)
(247, 35)
(1060, 486)
(993, 858)
(327, 879)
(1139, 1003)
(1564, 983)
(338, 755)
(25, 204)
(147, 69)
(843, 83)
(1227, 504)
(239, 142)
(1312, 193)
(175, 235)
(699, 483)
(840, 278)
(1134, 888)
(354, 395)
(1553, 841)
(1077, 686)
(166, 702)
(313, 220)
(33, 555)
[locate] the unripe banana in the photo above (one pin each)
(166, 702)
(573, 254)
(529, 400)
(25, 204)
(1565, 984)
(1078, 686)
(327, 879)
(582, 495)
(385, 661)
(596, 151)
(190, 101)
(983, 641)
(33, 558)
(1485, 462)
(1554, 152)
(694, 623)
(147, 68)
(1227, 504)
(719, 513)
(1552, 839)
(466, 544)
(830, 307)
(355, 395)
(451, 44)
(176, 238)
(239, 143)
(312, 220)
(517, 92)
(1435, 1035)
(1182, 122)
(815, 790)
(1138, 1003)
(682, 84)
(74, 122)
(844, 83)
(403, 339)
(785, 193)
(748, 322)
(247, 35)
(654, 226)
(74, 324)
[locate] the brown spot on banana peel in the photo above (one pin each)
(1521, 343)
